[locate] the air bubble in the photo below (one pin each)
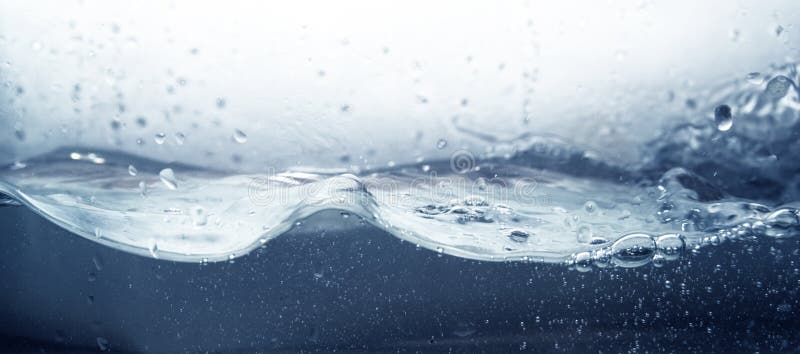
(441, 144)
(132, 170)
(670, 246)
(633, 250)
(168, 177)
(583, 262)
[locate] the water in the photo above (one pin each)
(702, 182)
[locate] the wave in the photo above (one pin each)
(531, 198)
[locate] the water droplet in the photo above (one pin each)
(441, 144)
(159, 138)
(132, 170)
(199, 216)
(168, 177)
(777, 87)
(153, 248)
(239, 136)
(633, 250)
(142, 188)
(180, 138)
(723, 117)
(755, 78)
(590, 207)
(518, 236)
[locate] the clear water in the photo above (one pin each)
(725, 170)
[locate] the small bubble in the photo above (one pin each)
(239, 136)
(221, 103)
(159, 138)
(723, 117)
(778, 30)
(441, 144)
(590, 207)
(132, 170)
(168, 177)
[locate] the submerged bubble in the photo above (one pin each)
(441, 144)
(239, 136)
(633, 250)
(132, 170)
(168, 177)
(723, 117)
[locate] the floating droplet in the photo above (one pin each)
(168, 177)
(239, 136)
(142, 188)
(441, 144)
(199, 216)
(132, 170)
(159, 138)
(518, 236)
(590, 207)
(723, 117)
(153, 248)
(180, 138)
